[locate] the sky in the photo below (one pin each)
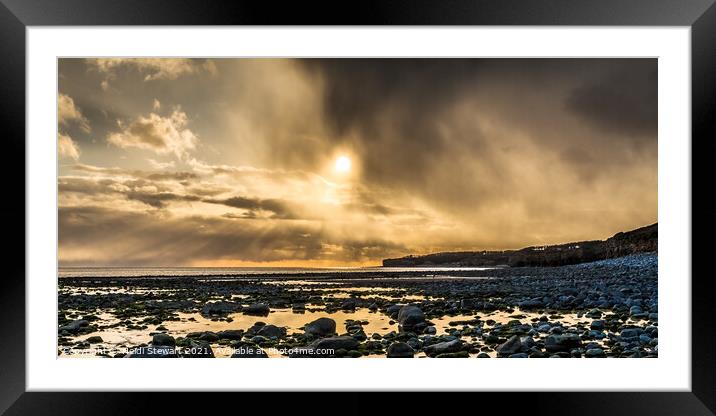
(345, 162)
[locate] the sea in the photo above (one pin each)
(241, 271)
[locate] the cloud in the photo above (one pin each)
(154, 68)
(622, 101)
(160, 165)
(280, 209)
(120, 173)
(94, 235)
(158, 199)
(162, 135)
(67, 112)
(67, 148)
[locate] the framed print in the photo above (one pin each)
(457, 185)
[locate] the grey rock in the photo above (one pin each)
(594, 352)
(219, 308)
(635, 310)
(511, 346)
(531, 304)
(334, 343)
(204, 336)
(260, 309)
(74, 326)
(597, 325)
(631, 332)
(544, 328)
(527, 342)
(400, 350)
(410, 316)
(321, 327)
(561, 343)
(163, 340)
(232, 334)
(443, 347)
(393, 309)
(271, 331)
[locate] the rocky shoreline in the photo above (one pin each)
(607, 308)
(640, 240)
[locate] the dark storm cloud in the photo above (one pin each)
(622, 101)
(159, 199)
(279, 208)
(154, 194)
(395, 106)
(463, 122)
(618, 94)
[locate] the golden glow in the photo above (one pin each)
(343, 164)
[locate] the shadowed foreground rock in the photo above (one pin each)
(321, 327)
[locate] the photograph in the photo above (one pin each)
(357, 207)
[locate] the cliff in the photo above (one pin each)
(643, 239)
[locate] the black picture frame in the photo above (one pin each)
(16, 15)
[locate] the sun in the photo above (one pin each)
(343, 164)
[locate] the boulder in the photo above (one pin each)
(631, 332)
(444, 347)
(471, 304)
(74, 326)
(400, 350)
(562, 343)
(598, 325)
(271, 331)
(531, 304)
(220, 308)
(258, 309)
(527, 343)
(635, 310)
(321, 327)
(410, 316)
(594, 353)
(163, 340)
(232, 334)
(393, 310)
(204, 336)
(335, 343)
(509, 347)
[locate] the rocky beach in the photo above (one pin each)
(605, 308)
